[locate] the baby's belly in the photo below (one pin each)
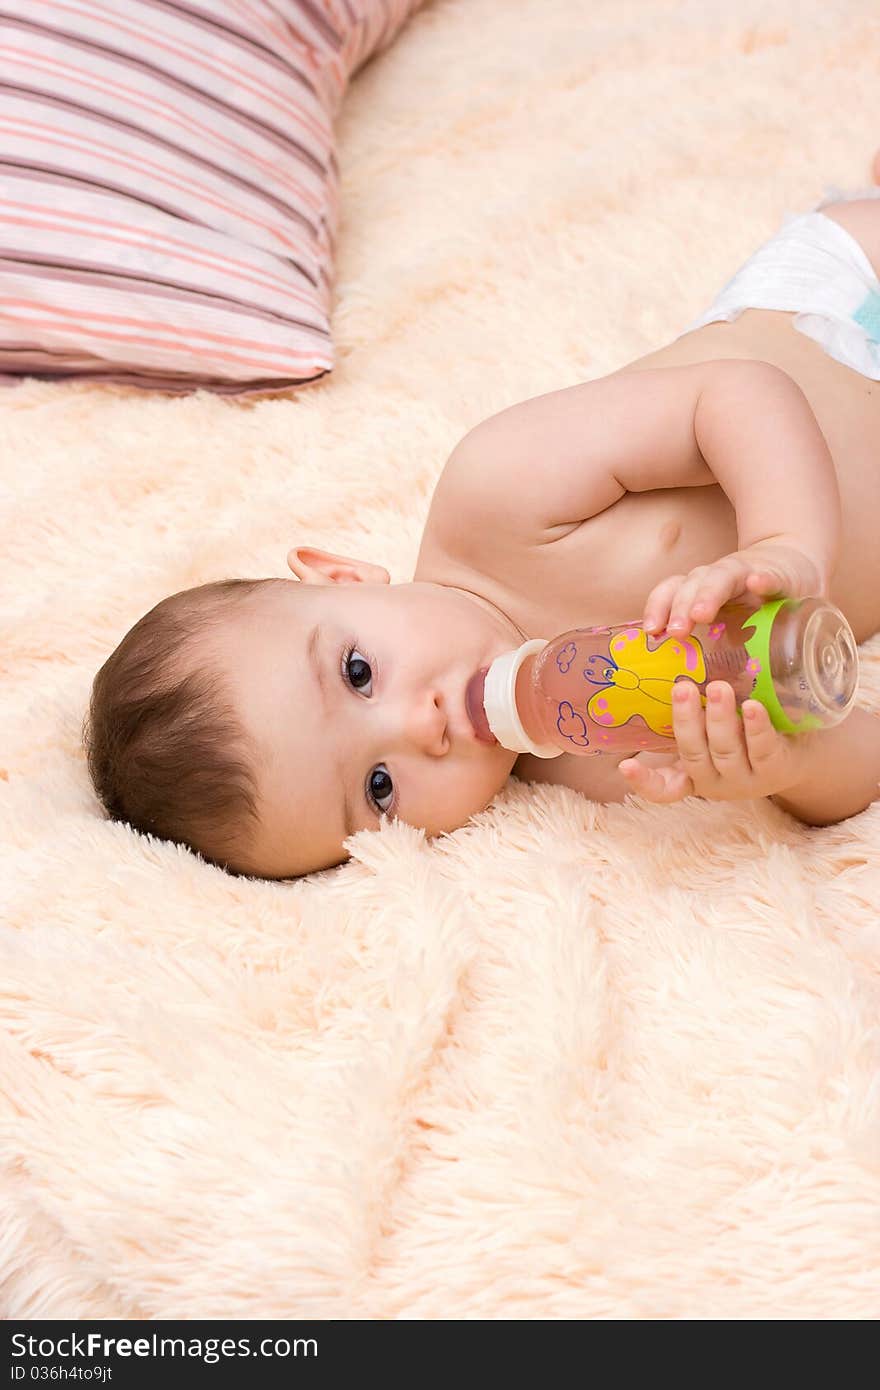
(670, 531)
(604, 569)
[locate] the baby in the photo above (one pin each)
(262, 722)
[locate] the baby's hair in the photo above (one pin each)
(166, 751)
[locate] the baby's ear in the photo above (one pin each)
(322, 567)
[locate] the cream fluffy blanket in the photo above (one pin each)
(572, 1060)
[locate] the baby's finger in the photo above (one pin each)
(764, 744)
(724, 734)
(659, 784)
(766, 583)
(702, 594)
(659, 602)
(715, 586)
(691, 740)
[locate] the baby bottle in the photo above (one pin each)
(606, 689)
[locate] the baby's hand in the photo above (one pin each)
(718, 755)
(769, 569)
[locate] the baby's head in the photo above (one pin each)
(263, 721)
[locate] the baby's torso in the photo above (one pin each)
(600, 569)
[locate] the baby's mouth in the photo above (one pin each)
(473, 703)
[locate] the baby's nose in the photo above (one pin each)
(425, 721)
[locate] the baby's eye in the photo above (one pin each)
(357, 671)
(379, 786)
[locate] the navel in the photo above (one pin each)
(669, 534)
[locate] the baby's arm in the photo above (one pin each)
(758, 434)
(568, 455)
(840, 772)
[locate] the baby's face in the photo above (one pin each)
(354, 694)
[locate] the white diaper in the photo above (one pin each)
(817, 271)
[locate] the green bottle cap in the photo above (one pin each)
(758, 648)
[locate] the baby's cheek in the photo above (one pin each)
(469, 788)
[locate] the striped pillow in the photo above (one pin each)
(169, 186)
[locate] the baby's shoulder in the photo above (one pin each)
(489, 503)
